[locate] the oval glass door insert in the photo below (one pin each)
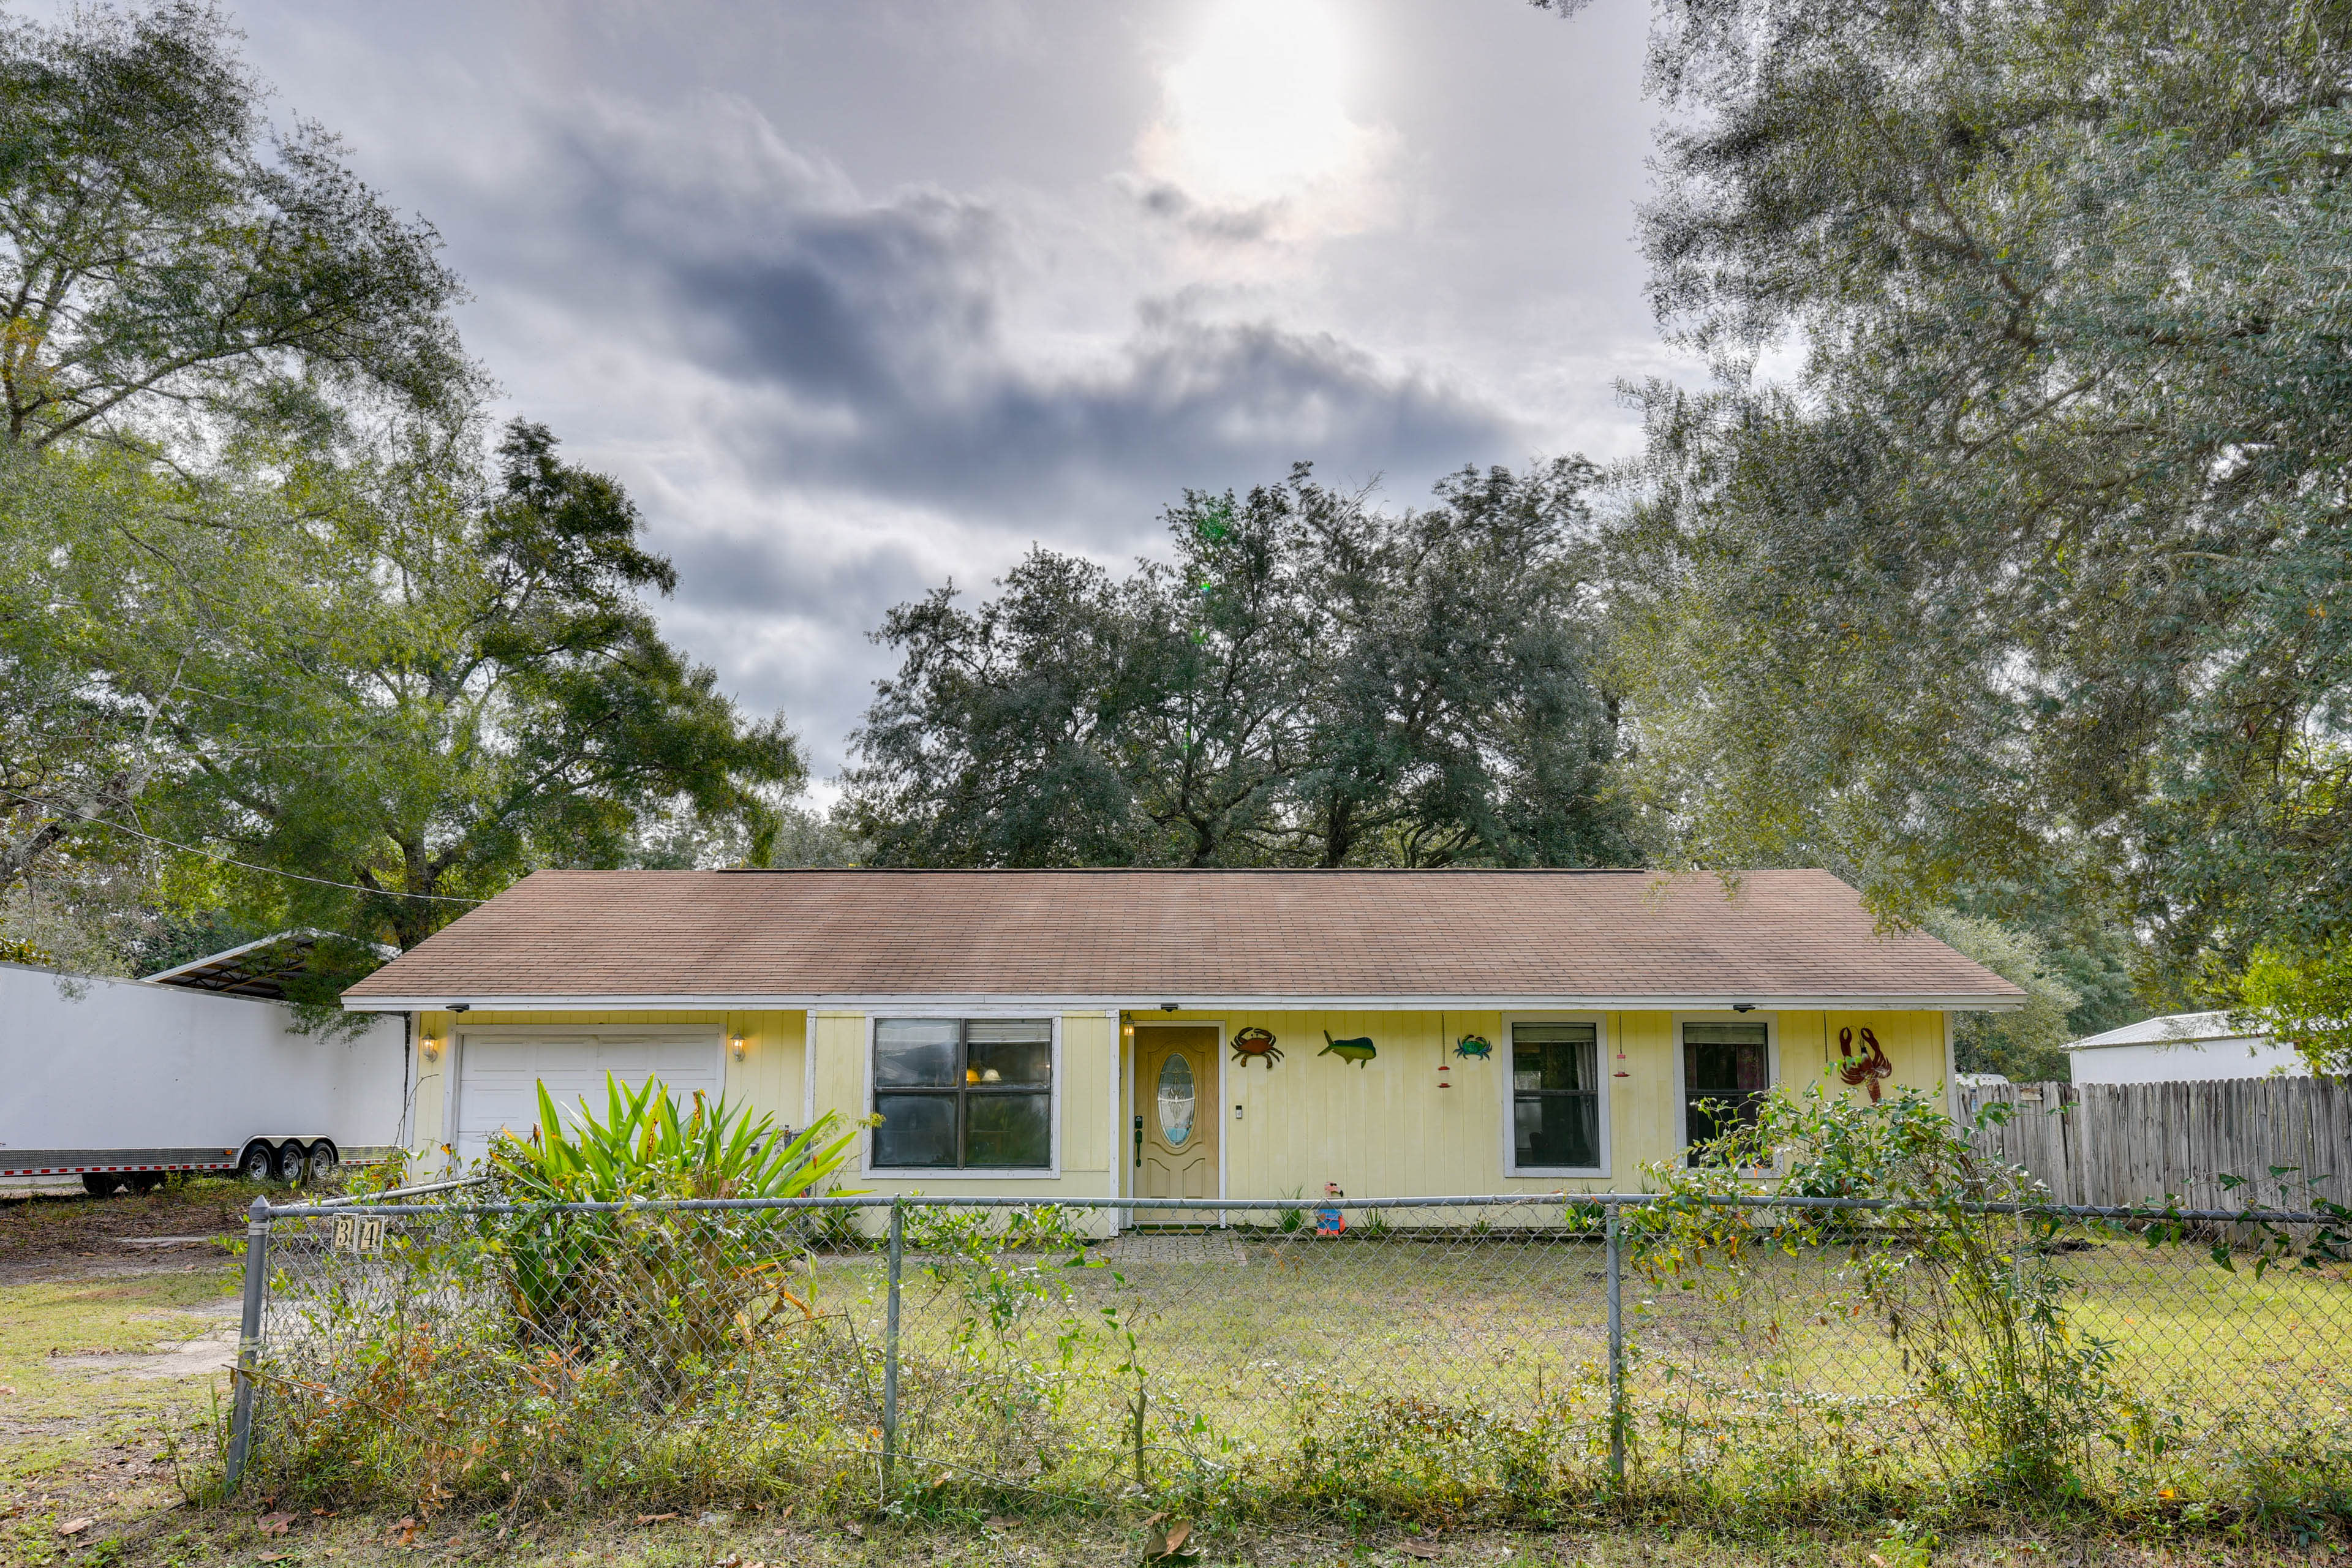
(1176, 1100)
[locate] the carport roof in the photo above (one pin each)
(582, 939)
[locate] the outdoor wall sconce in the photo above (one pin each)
(736, 1046)
(431, 1048)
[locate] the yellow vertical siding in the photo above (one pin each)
(1387, 1129)
(1384, 1129)
(768, 1078)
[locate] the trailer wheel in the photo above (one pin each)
(290, 1158)
(322, 1162)
(143, 1181)
(100, 1184)
(259, 1164)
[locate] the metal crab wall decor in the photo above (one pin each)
(1256, 1045)
(1474, 1048)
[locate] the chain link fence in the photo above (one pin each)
(1446, 1351)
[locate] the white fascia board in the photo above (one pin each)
(901, 1001)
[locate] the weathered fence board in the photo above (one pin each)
(2115, 1143)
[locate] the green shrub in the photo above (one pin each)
(1977, 1300)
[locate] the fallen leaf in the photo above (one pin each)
(856, 1528)
(998, 1522)
(1421, 1549)
(653, 1517)
(74, 1526)
(1169, 1543)
(5, 1389)
(276, 1523)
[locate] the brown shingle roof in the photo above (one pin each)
(1140, 938)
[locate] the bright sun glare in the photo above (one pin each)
(1253, 110)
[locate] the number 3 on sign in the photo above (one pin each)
(358, 1233)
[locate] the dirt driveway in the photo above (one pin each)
(72, 1235)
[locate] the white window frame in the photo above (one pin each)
(454, 1063)
(1604, 1028)
(1772, 1079)
(1049, 1171)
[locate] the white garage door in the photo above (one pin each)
(499, 1078)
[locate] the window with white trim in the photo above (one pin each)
(1555, 1097)
(960, 1094)
(1727, 1072)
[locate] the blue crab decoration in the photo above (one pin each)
(1474, 1048)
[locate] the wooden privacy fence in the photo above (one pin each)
(2119, 1143)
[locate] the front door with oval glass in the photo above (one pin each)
(1176, 1102)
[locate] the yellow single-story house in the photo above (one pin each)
(1122, 1035)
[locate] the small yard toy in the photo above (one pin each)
(1357, 1051)
(1331, 1221)
(1474, 1048)
(1256, 1045)
(1871, 1066)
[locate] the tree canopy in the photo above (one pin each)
(160, 255)
(1311, 680)
(282, 638)
(2038, 554)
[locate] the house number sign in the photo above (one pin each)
(359, 1232)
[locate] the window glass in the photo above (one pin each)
(1008, 1130)
(1014, 1062)
(1556, 1095)
(1727, 1069)
(917, 1129)
(1177, 1099)
(915, 1053)
(964, 1093)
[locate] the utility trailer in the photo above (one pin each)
(122, 1083)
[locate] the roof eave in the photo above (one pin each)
(443, 1001)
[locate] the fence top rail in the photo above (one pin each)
(1562, 1201)
(371, 1200)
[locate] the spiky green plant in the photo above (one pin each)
(678, 1290)
(646, 1148)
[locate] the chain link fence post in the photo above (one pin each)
(891, 1347)
(249, 1339)
(1616, 1345)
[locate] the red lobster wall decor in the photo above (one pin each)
(1871, 1064)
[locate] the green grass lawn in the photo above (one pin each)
(102, 1409)
(1405, 1371)
(95, 1410)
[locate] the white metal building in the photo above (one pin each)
(2179, 1048)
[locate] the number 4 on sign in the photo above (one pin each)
(359, 1232)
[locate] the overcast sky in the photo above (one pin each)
(859, 298)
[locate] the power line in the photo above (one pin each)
(265, 871)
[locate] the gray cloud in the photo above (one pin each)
(855, 299)
(873, 337)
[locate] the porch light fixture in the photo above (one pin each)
(736, 1044)
(431, 1048)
